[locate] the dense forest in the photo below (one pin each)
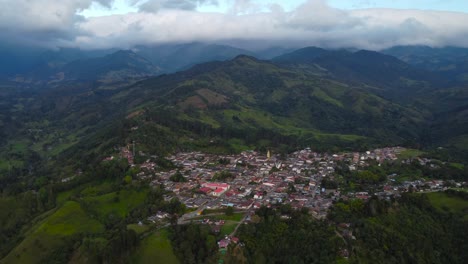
(405, 230)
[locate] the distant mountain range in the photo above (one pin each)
(34, 65)
(115, 67)
(38, 64)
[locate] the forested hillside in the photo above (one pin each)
(70, 191)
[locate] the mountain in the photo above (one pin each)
(450, 62)
(272, 52)
(449, 102)
(427, 57)
(308, 97)
(302, 56)
(242, 103)
(53, 59)
(116, 66)
(28, 64)
(251, 100)
(17, 59)
(246, 103)
(383, 74)
(74, 65)
(171, 58)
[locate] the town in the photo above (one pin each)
(252, 179)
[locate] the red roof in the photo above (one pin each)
(205, 190)
(223, 243)
(218, 190)
(215, 185)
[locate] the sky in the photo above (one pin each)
(126, 6)
(368, 24)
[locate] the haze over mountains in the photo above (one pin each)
(166, 58)
(169, 58)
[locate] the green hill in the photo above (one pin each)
(260, 100)
(52, 235)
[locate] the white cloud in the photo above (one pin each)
(43, 22)
(153, 6)
(42, 14)
(313, 23)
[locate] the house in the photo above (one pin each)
(217, 189)
(257, 205)
(258, 195)
(224, 243)
(216, 229)
(246, 204)
(205, 190)
(218, 192)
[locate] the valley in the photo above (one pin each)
(101, 156)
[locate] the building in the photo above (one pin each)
(218, 189)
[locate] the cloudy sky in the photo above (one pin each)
(370, 24)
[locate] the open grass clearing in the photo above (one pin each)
(410, 153)
(228, 227)
(52, 233)
(443, 201)
(139, 229)
(120, 203)
(156, 248)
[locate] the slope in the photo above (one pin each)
(76, 65)
(171, 58)
(450, 63)
(253, 100)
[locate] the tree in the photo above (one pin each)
(128, 179)
(178, 177)
(291, 188)
(229, 211)
(222, 176)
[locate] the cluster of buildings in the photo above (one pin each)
(260, 179)
(251, 179)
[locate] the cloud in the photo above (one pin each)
(312, 23)
(244, 7)
(153, 6)
(43, 14)
(42, 21)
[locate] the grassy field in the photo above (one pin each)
(228, 227)
(235, 217)
(50, 235)
(458, 165)
(120, 203)
(444, 202)
(156, 248)
(410, 153)
(64, 196)
(139, 229)
(8, 164)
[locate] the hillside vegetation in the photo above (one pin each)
(68, 195)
